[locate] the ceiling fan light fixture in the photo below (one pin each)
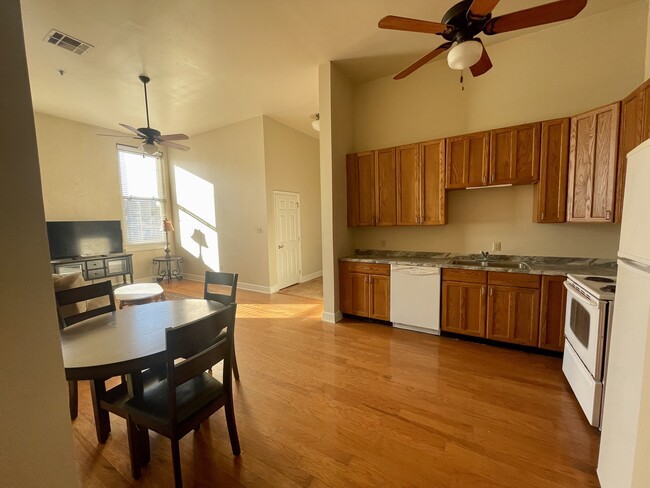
(149, 148)
(315, 124)
(464, 54)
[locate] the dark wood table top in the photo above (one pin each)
(127, 340)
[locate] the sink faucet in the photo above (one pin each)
(485, 256)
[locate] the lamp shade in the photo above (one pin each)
(464, 54)
(168, 226)
(149, 148)
(199, 238)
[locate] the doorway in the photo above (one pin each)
(287, 238)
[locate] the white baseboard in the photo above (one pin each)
(193, 277)
(332, 318)
(254, 287)
(311, 276)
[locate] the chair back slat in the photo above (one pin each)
(82, 294)
(183, 343)
(223, 279)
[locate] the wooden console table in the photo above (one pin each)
(96, 267)
(168, 267)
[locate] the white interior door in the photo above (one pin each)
(287, 238)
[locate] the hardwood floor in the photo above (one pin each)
(361, 404)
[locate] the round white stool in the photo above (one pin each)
(139, 293)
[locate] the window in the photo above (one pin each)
(143, 196)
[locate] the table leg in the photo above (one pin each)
(102, 420)
(139, 450)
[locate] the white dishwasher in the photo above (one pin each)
(415, 298)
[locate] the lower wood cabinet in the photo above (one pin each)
(464, 301)
(365, 289)
(551, 315)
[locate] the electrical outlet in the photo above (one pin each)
(382, 243)
(496, 246)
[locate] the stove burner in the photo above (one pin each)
(600, 279)
(609, 288)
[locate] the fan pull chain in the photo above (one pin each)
(462, 86)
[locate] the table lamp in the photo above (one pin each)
(167, 227)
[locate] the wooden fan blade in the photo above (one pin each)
(483, 65)
(413, 25)
(174, 145)
(481, 8)
(113, 135)
(172, 137)
(422, 61)
(530, 17)
(134, 130)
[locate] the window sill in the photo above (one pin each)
(145, 247)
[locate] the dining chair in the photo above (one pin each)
(178, 404)
(102, 295)
(226, 296)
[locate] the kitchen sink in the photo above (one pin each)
(491, 264)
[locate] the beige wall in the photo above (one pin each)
(558, 71)
(219, 188)
(292, 164)
(80, 175)
(36, 442)
(336, 140)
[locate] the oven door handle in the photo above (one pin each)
(579, 295)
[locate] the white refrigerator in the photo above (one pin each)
(624, 459)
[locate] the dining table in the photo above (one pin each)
(124, 343)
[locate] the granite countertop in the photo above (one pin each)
(543, 265)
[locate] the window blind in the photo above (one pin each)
(143, 196)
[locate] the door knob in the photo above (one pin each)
(280, 246)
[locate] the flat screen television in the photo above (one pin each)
(84, 238)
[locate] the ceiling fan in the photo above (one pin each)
(464, 21)
(150, 136)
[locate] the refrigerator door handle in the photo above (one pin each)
(635, 264)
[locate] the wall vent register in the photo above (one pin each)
(67, 42)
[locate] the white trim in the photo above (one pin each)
(332, 318)
(193, 277)
(311, 276)
(254, 287)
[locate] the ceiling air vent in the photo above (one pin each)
(67, 42)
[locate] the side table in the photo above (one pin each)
(168, 267)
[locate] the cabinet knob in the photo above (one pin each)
(491, 291)
(482, 290)
(542, 215)
(608, 215)
(492, 178)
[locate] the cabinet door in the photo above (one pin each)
(549, 204)
(631, 135)
(408, 185)
(592, 165)
(513, 315)
(551, 315)
(352, 179)
(467, 160)
(379, 295)
(514, 155)
(366, 170)
(432, 183)
(463, 308)
(386, 206)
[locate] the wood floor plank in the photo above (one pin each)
(359, 404)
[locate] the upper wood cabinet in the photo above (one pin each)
(635, 128)
(365, 163)
(592, 165)
(385, 187)
(433, 207)
(408, 185)
(352, 180)
(514, 155)
(549, 204)
(467, 160)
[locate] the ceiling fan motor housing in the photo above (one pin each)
(466, 28)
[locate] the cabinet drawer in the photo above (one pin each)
(96, 264)
(513, 279)
(464, 275)
(369, 268)
(96, 273)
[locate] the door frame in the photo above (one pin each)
(299, 231)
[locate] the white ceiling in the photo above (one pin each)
(216, 62)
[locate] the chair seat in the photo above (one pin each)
(191, 396)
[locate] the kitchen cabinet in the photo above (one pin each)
(467, 160)
(513, 308)
(464, 301)
(386, 205)
(352, 180)
(514, 155)
(365, 289)
(549, 204)
(551, 313)
(634, 129)
(421, 183)
(408, 185)
(593, 147)
(365, 163)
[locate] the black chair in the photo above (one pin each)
(71, 296)
(228, 296)
(188, 396)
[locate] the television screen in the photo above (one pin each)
(84, 238)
